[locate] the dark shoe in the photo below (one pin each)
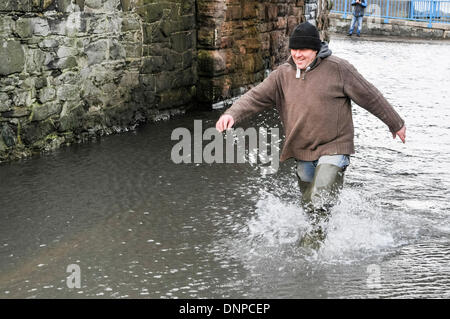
(357, 35)
(349, 34)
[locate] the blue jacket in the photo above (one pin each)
(358, 8)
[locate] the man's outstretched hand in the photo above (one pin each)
(225, 122)
(401, 133)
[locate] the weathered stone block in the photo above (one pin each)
(69, 77)
(166, 27)
(187, 7)
(24, 28)
(40, 82)
(165, 81)
(209, 9)
(67, 63)
(96, 52)
(249, 11)
(3, 147)
(116, 51)
(8, 84)
(153, 33)
(206, 38)
(182, 41)
(281, 23)
(97, 24)
(130, 24)
(185, 78)
(187, 22)
(40, 26)
(233, 13)
(63, 5)
(34, 131)
(122, 115)
(40, 112)
(212, 90)
(187, 59)
(12, 57)
(152, 64)
(132, 51)
(129, 80)
(127, 5)
(47, 94)
(5, 102)
(174, 98)
(272, 11)
(71, 117)
(23, 97)
(34, 61)
(68, 92)
(49, 44)
(93, 4)
(144, 96)
(211, 62)
(8, 135)
(65, 51)
(151, 12)
(148, 80)
(17, 112)
(6, 26)
(15, 5)
(91, 94)
(51, 63)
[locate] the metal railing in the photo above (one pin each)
(431, 11)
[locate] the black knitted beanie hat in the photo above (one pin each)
(305, 36)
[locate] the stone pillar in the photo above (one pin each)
(322, 18)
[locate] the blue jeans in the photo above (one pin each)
(305, 170)
(352, 25)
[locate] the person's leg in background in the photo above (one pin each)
(359, 28)
(352, 25)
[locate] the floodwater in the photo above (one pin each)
(139, 226)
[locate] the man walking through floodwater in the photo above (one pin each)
(312, 92)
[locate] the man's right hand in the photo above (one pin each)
(225, 122)
(401, 133)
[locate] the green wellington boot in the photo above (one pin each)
(318, 198)
(324, 189)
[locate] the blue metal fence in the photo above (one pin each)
(431, 11)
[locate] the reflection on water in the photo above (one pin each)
(140, 226)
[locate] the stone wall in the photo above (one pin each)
(239, 41)
(75, 69)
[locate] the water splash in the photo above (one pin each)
(356, 230)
